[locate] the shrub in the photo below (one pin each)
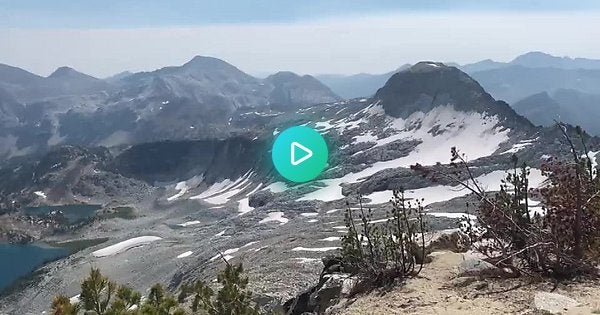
(561, 242)
(382, 253)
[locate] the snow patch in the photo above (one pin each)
(519, 146)
(244, 206)
(182, 187)
(275, 216)
(364, 138)
(75, 299)
(304, 260)
(125, 245)
(314, 249)
(189, 223)
(277, 187)
(226, 254)
(452, 215)
(186, 254)
(40, 194)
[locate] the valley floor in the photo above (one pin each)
(437, 290)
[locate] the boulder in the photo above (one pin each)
(334, 289)
(553, 303)
(456, 241)
(260, 198)
(473, 266)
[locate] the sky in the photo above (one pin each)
(102, 38)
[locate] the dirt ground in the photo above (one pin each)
(437, 290)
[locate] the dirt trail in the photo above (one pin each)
(436, 291)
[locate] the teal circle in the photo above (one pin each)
(299, 154)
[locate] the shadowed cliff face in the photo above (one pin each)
(176, 160)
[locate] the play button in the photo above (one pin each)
(297, 146)
(299, 154)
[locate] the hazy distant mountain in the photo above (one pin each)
(496, 77)
(290, 89)
(353, 86)
(566, 105)
(64, 81)
(534, 59)
(514, 83)
(487, 64)
(537, 59)
(541, 109)
(357, 85)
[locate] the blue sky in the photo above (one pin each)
(152, 13)
(105, 37)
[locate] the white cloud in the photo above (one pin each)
(349, 45)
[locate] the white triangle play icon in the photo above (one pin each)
(296, 145)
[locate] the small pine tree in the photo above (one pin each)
(126, 302)
(97, 292)
(232, 298)
(100, 296)
(161, 303)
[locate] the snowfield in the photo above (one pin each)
(125, 246)
(476, 135)
(433, 194)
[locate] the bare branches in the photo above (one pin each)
(385, 251)
(560, 243)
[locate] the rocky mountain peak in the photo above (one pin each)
(284, 75)
(209, 64)
(427, 85)
(66, 72)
